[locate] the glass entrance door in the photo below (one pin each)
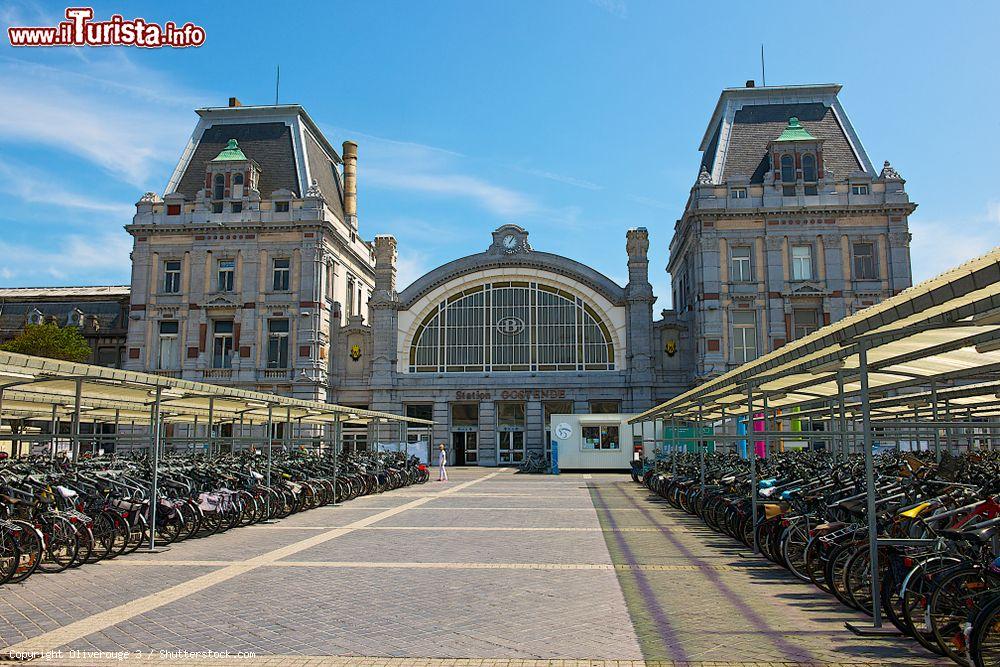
(511, 446)
(466, 448)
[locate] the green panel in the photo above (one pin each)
(686, 438)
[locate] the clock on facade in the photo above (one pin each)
(509, 243)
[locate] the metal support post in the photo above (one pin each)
(76, 420)
(211, 427)
(701, 451)
(270, 445)
(866, 425)
(54, 428)
(767, 428)
(752, 455)
(845, 445)
(154, 460)
(338, 435)
(673, 446)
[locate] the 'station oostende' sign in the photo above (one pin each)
(511, 395)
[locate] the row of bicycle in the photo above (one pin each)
(938, 524)
(55, 515)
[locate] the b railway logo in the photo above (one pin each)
(510, 326)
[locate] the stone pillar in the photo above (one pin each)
(383, 308)
(351, 184)
(639, 300)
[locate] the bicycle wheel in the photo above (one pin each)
(954, 606)
(793, 548)
(86, 542)
(31, 545)
(104, 533)
(985, 642)
(10, 553)
(916, 593)
(62, 546)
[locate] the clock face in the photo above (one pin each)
(509, 242)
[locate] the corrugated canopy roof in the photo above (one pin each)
(33, 386)
(944, 329)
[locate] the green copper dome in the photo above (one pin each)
(795, 132)
(231, 153)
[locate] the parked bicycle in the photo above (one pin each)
(55, 516)
(940, 577)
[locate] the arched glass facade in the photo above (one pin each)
(512, 326)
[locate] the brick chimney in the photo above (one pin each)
(351, 183)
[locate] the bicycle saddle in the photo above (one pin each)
(981, 533)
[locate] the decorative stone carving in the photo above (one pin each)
(889, 173)
(314, 191)
(637, 242)
(704, 178)
(900, 239)
(830, 241)
(509, 240)
(150, 198)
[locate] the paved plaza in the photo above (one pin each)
(492, 568)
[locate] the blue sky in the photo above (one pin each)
(576, 119)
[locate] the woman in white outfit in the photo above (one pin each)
(442, 460)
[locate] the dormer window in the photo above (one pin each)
(738, 193)
(808, 168)
(281, 207)
(231, 175)
(787, 176)
(797, 156)
(859, 189)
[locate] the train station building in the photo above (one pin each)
(251, 270)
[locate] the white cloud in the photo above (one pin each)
(937, 246)
(410, 265)
(494, 198)
(76, 259)
(35, 187)
(105, 109)
(562, 178)
(614, 7)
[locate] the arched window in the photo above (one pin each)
(787, 169)
(237, 179)
(808, 168)
(219, 189)
(512, 326)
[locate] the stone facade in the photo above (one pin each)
(235, 283)
(788, 227)
(249, 270)
(501, 406)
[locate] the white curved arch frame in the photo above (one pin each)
(613, 317)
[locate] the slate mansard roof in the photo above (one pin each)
(746, 119)
(108, 302)
(287, 145)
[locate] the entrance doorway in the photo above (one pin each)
(511, 446)
(465, 433)
(510, 432)
(466, 448)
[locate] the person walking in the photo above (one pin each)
(442, 461)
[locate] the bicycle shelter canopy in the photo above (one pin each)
(42, 389)
(943, 330)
